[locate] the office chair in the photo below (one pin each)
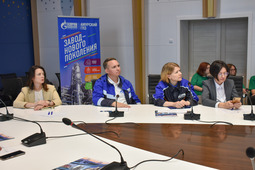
(238, 80)
(11, 88)
(59, 84)
(153, 80)
(93, 81)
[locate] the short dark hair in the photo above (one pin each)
(31, 75)
(216, 66)
(107, 60)
(202, 68)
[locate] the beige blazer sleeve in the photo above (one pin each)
(52, 95)
(24, 97)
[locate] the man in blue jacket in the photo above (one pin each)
(111, 87)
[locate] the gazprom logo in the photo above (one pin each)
(68, 25)
(63, 25)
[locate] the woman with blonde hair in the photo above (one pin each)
(173, 90)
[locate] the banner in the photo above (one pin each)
(80, 58)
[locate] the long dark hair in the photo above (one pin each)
(31, 75)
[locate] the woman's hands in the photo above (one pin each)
(178, 104)
(40, 104)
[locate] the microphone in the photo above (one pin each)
(116, 113)
(250, 152)
(250, 116)
(190, 115)
(112, 166)
(7, 116)
(35, 139)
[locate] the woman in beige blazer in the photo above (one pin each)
(37, 94)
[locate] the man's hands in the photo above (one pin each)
(120, 105)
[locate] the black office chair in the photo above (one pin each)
(153, 80)
(11, 88)
(8, 76)
(6, 98)
(93, 81)
(59, 84)
(238, 80)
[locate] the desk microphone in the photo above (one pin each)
(250, 116)
(250, 152)
(190, 115)
(112, 166)
(7, 116)
(35, 139)
(116, 113)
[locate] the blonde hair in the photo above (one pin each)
(167, 69)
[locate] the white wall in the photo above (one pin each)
(116, 32)
(163, 19)
(116, 29)
(47, 12)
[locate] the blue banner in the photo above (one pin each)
(79, 56)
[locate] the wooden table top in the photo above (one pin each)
(218, 146)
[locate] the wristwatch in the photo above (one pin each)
(49, 102)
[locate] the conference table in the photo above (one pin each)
(139, 135)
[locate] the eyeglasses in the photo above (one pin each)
(225, 74)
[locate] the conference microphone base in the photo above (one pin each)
(250, 116)
(191, 116)
(35, 139)
(116, 114)
(5, 117)
(116, 166)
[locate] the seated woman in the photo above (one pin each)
(173, 90)
(197, 80)
(38, 94)
(219, 91)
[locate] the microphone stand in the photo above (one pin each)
(35, 139)
(250, 116)
(112, 166)
(190, 115)
(6, 117)
(116, 113)
(250, 152)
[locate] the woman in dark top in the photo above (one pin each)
(173, 90)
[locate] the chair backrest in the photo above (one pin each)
(153, 80)
(8, 76)
(59, 84)
(238, 80)
(12, 87)
(93, 81)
